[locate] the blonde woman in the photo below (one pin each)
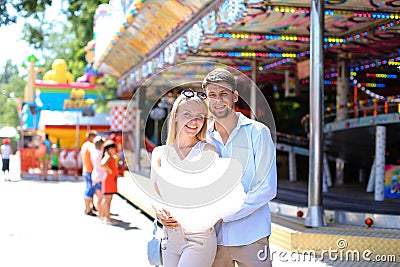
(187, 128)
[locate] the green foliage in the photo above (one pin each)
(106, 91)
(6, 17)
(34, 36)
(9, 114)
(9, 10)
(288, 115)
(80, 14)
(60, 40)
(10, 70)
(10, 89)
(29, 8)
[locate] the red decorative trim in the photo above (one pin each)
(93, 127)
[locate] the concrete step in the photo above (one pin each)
(290, 233)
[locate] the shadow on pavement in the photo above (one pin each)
(125, 225)
(61, 178)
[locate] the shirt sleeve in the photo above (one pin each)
(264, 181)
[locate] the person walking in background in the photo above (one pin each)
(6, 151)
(54, 161)
(87, 168)
(109, 185)
(98, 173)
(46, 157)
(305, 123)
(249, 141)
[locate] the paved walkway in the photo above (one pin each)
(43, 224)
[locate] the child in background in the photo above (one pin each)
(109, 185)
(54, 161)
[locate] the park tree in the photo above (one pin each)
(11, 90)
(55, 39)
(9, 71)
(44, 36)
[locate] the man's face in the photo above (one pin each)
(221, 99)
(91, 138)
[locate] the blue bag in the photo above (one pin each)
(154, 254)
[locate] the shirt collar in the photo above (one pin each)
(242, 120)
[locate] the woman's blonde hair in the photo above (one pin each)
(172, 131)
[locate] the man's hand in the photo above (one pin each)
(166, 219)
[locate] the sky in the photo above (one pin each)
(11, 45)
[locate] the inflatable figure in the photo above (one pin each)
(59, 72)
(91, 75)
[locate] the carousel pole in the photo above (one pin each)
(253, 103)
(315, 214)
(380, 148)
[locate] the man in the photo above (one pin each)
(243, 236)
(87, 167)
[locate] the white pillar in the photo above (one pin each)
(327, 177)
(371, 180)
(253, 102)
(342, 89)
(315, 212)
(324, 183)
(380, 148)
(292, 167)
(339, 171)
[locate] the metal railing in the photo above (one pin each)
(365, 110)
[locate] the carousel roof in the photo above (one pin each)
(146, 28)
(235, 32)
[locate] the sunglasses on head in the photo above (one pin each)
(190, 93)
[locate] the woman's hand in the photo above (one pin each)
(166, 219)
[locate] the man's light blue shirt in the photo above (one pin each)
(250, 142)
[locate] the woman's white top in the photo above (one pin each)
(198, 190)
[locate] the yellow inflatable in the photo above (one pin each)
(59, 72)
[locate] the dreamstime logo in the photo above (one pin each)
(332, 254)
(341, 243)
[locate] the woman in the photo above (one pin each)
(187, 128)
(109, 185)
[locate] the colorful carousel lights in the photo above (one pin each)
(350, 104)
(376, 63)
(291, 136)
(275, 64)
(251, 54)
(330, 12)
